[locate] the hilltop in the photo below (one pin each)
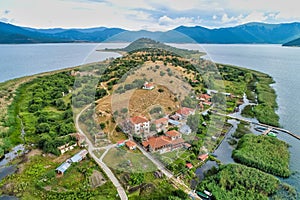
(147, 43)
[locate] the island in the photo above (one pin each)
(138, 127)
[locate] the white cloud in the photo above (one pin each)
(174, 22)
(225, 19)
(152, 15)
(255, 17)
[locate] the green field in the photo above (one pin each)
(265, 153)
(36, 179)
(233, 181)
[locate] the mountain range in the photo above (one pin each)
(293, 43)
(250, 33)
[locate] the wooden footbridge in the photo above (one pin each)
(269, 128)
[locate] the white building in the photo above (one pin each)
(140, 124)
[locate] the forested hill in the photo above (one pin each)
(293, 43)
(146, 43)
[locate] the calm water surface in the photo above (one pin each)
(28, 59)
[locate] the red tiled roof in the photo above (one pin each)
(177, 141)
(203, 157)
(185, 111)
(138, 120)
(158, 142)
(148, 85)
(172, 133)
(187, 145)
(205, 96)
(163, 120)
(189, 165)
(121, 141)
(207, 103)
(130, 143)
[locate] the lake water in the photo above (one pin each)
(282, 63)
(28, 59)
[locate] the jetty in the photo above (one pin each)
(267, 131)
(263, 125)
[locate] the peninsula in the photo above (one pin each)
(137, 127)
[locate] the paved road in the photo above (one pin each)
(91, 148)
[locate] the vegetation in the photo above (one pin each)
(145, 43)
(43, 107)
(239, 81)
(38, 180)
(232, 182)
(265, 110)
(242, 129)
(262, 152)
(248, 111)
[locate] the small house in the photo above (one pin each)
(63, 167)
(189, 165)
(79, 156)
(203, 157)
(121, 143)
(161, 124)
(66, 147)
(173, 134)
(148, 86)
(186, 145)
(131, 145)
(185, 112)
(204, 97)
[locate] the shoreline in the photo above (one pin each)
(68, 69)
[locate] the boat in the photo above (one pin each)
(271, 134)
(273, 131)
(260, 129)
(202, 195)
(207, 193)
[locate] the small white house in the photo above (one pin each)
(148, 86)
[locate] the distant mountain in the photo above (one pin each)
(251, 33)
(15, 34)
(293, 43)
(247, 33)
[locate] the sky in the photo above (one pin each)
(153, 15)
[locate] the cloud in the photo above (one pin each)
(3, 19)
(174, 22)
(152, 15)
(225, 19)
(255, 17)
